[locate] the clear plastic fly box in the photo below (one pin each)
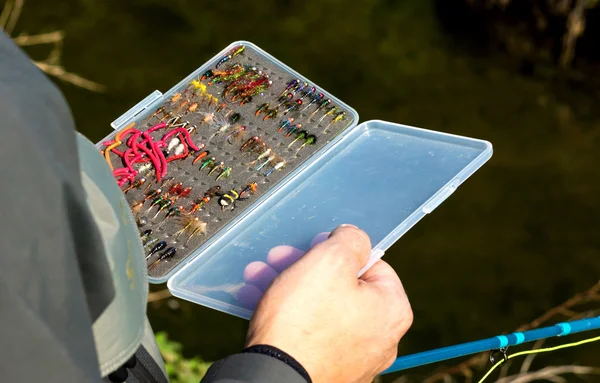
(245, 155)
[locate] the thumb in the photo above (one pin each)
(346, 250)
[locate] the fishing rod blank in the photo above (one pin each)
(496, 343)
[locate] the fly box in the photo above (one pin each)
(245, 155)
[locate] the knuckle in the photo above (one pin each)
(403, 319)
(358, 236)
(405, 323)
(334, 254)
(391, 357)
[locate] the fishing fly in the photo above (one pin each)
(158, 247)
(237, 135)
(136, 184)
(232, 53)
(216, 167)
(169, 253)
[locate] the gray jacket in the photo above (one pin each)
(63, 276)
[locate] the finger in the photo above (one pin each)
(383, 279)
(319, 238)
(248, 296)
(345, 251)
(282, 257)
(381, 275)
(259, 274)
(380, 271)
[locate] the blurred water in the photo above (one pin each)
(514, 240)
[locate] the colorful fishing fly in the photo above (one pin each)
(145, 236)
(271, 158)
(330, 112)
(224, 123)
(294, 106)
(192, 225)
(314, 99)
(337, 118)
(250, 188)
(261, 156)
(150, 244)
(163, 205)
(228, 199)
(301, 135)
(237, 134)
(157, 201)
(225, 173)
(285, 124)
(207, 162)
(136, 184)
(169, 253)
(289, 86)
(264, 107)
(200, 156)
(293, 129)
(153, 194)
(233, 52)
(158, 247)
(278, 166)
(311, 139)
(322, 104)
(175, 211)
(175, 189)
(199, 202)
(210, 116)
(142, 221)
(144, 168)
(137, 206)
(216, 167)
(248, 145)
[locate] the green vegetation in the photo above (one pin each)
(180, 369)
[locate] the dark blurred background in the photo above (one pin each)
(518, 238)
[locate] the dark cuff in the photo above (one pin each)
(252, 367)
(282, 356)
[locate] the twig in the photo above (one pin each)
(402, 379)
(548, 373)
(504, 369)
(14, 14)
(60, 73)
(529, 359)
(6, 10)
(576, 299)
(159, 295)
(43, 38)
(575, 28)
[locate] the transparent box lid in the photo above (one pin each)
(380, 176)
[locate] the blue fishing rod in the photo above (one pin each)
(497, 343)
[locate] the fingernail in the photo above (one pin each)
(342, 225)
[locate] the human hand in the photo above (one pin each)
(339, 327)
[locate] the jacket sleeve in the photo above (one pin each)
(55, 277)
(252, 368)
